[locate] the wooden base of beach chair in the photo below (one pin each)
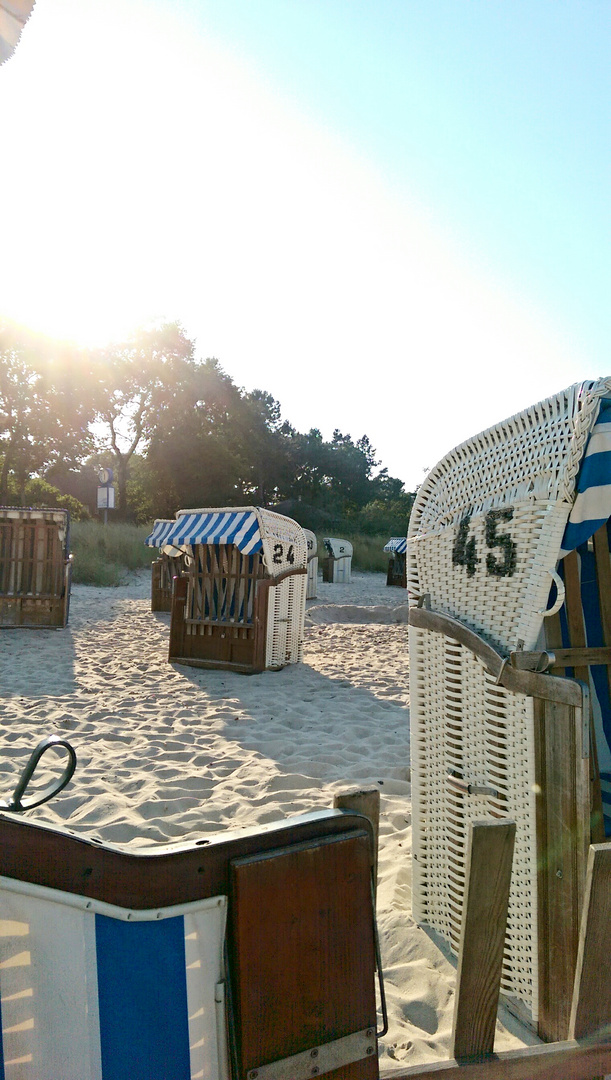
(300, 982)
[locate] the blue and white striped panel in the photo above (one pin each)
(396, 543)
(240, 527)
(592, 504)
(100, 993)
(160, 530)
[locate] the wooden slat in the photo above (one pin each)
(591, 1011)
(563, 819)
(363, 801)
(568, 1060)
(521, 682)
(577, 637)
(480, 958)
(303, 956)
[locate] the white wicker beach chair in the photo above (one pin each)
(312, 582)
(241, 602)
(502, 608)
(337, 567)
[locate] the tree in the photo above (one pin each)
(44, 409)
(136, 381)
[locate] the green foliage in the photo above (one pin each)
(106, 554)
(37, 492)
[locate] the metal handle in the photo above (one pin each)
(559, 601)
(466, 788)
(15, 803)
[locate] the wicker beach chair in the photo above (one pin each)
(249, 953)
(240, 604)
(169, 564)
(35, 567)
(312, 580)
(509, 581)
(397, 564)
(337, 566)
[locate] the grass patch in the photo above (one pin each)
(106, 554)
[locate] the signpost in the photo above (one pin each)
(106, 492)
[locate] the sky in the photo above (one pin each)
(393, 215)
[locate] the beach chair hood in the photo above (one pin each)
(489, 524)
(252, 529)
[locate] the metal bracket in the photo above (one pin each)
(466, 788)
(320, 1059)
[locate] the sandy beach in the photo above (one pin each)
(170, 753)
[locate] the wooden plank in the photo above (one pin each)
(363, 801)
(302, 953)
(568, 1060)
(591, 1010)
(482, 940)
(562, 658)
(563, 823)
(521, 682)
(177, 620)
(577, 638)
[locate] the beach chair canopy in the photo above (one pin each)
(396, 543)
(251, 529)
(494, 517)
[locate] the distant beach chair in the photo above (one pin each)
(337, 566)
(169, 564)
(250, 953)
(509, 579)
(35, 567)
(312, 580)
(240, 604)
(397, 564)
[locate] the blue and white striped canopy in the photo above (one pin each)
(239, 527)
(160, 528)
(396, 543)
(592, 506)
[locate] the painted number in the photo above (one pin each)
(278, 555)
(464, 552)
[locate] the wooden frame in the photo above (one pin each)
(397, 569)
(586, 1054)
(163, 571)
(35, 567)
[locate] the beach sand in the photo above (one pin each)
(170, 753)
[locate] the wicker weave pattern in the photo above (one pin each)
(535, 454)
(467, 725)
(503, 610)
(285, 622)
(284, 542)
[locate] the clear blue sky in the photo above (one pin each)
(392, 216)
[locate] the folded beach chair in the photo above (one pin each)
(247, 954)
(397, 564)
(169, 564)
(240, 604)
(509, 580)
(337, 567)
(35, 566)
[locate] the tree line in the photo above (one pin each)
(177, 432)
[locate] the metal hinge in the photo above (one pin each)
(320, 1059)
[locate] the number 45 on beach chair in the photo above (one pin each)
(248, 955)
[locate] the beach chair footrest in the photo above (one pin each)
(319, 1059)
